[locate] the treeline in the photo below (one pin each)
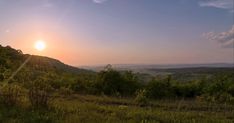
(213, 88)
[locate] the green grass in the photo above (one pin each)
(87, 108)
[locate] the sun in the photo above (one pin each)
(40, 45)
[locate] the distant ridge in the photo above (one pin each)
(179, 65)
(161, 66)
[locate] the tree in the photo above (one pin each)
(159, 89)
(109, 81)
(113, 82)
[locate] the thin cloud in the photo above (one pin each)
(226, 39)
(48, 5)
(7, 30)
(99, 1)
(222, 4)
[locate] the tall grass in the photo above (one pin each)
(88, 108)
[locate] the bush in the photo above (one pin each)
(39, 94)
(65, 91)
(110, 82)
(38, 98)
(224, 97)
(130, 84)
(80, 85)
(188, 90)
(141, 97)
(1, 77)
(11, 94)
(159, 89)
(115, 83)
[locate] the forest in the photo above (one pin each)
(46, 90)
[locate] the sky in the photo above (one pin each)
(95, 32)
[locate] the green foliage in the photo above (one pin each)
(11, 94)
(187, 90)
(221, 88)
(108, 109)
(65, 91)
(27, 115)
(159, 89)
(112, 82)
(131, 83)
(109, 82)
(1, 77)
(85, 84)
(141, 97)
(39, 94)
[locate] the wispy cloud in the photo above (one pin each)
(222, 4)
(48, 5)
(99, 1)
(7, 30)
(226, 39)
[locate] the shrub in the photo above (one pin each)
(130, 83)
(188, 90)
(1, 77)
(65, 91)
(11, 94)
(39, 94)
(110, 82)
(141, 97)
(116, 83)
(38, 98)
(159, 89)
(79, 85)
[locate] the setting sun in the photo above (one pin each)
(40, 45)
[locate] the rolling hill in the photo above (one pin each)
(11, 59)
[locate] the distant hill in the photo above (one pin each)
(11, 59)
(54, 63)
(180, 72)
(163, 67)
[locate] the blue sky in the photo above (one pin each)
(89, 32)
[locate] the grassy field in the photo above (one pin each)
(88, 108)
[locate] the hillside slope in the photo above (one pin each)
(11, 59)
